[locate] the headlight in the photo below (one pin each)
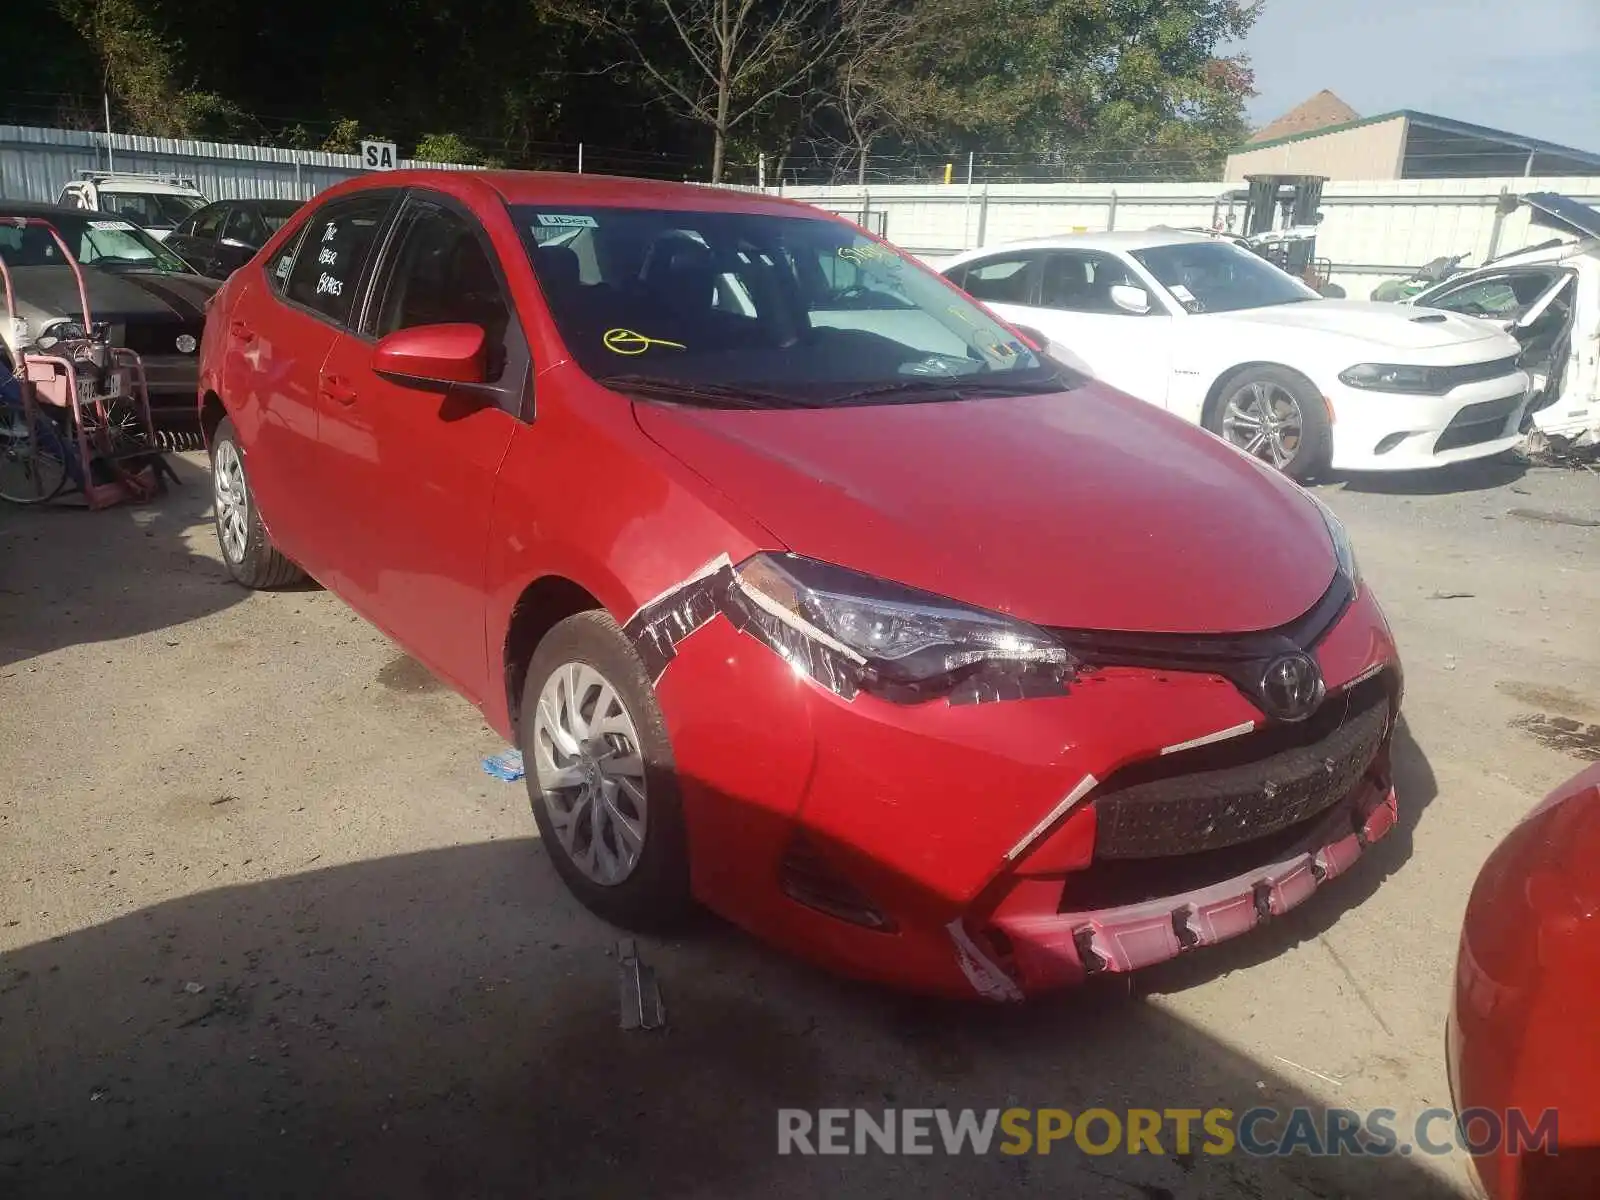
(895, 641)
(1343, 551)
(1392, 377)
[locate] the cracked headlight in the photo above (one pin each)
(896, 641)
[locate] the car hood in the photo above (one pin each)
(1374, 322)
(48, 292)
(1085, 509)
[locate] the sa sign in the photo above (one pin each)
(378, 156)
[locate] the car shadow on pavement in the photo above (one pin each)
(1478, 475)
(1415, 789)
(70, 576)
(445, 1024)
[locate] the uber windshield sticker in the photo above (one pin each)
(1181, 294)
(567, 221)
(109, 225)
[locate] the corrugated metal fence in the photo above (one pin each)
(1372, 231)
(35, 163)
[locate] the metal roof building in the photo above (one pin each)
(1397, 145)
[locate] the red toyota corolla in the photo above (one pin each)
(809, 590)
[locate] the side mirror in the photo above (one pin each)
(432, 356)
(1130, 299)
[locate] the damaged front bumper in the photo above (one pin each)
(955, 848)
(1059, 949)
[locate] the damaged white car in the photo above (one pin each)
(1548, 297)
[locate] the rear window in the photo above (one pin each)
(154, 210)
(333, 254)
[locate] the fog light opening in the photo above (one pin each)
(808, 878)
(1389, 443)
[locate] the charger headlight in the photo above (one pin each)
(1396, 377)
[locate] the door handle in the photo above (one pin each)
(241, 331)
(337, 388)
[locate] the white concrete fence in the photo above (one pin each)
(1370, 231)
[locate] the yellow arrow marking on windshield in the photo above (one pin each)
(626, 341)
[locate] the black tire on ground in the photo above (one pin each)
(261, 565)
(1315, 450)
(655, 896)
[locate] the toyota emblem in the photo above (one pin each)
(1291, 687)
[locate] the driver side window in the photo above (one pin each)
(441, 273)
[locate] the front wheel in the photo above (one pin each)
(247, 549)
(601, 776)
(1277, 416)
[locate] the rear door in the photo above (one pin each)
(1006, 283)
(409, 472)
(281, 326)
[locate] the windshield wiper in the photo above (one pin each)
(715, 395)
(957, 387)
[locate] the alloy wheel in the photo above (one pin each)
(590, 773)
(232, 498)
(1264, 419)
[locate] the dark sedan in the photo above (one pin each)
(220, 238)
(153, 301)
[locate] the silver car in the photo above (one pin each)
(152, 300)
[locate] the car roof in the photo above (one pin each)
(554, 189)
(27, 208)
(1123, 240)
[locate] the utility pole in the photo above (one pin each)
(580, 158)
(110, 165)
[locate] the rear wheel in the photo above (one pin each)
(601, 777)
(247, 550)
(1275, 415)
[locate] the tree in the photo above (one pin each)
(1096, 87)
(719, 63)
(866, 88)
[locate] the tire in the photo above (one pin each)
(247, 549)
(652, 893)
(1255, 390)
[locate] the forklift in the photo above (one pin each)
(1279, 222)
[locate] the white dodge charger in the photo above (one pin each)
(1220, 336)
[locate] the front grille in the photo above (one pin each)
(1478, 423)
(1228, 805)
(1476, 372)
(158, 337)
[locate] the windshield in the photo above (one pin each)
(1211, 277)
(103, 242)
(154, 210)
(729, 308)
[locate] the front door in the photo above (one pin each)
(1131, 351)
(411, 468)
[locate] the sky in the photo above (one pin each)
(1529, 66)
